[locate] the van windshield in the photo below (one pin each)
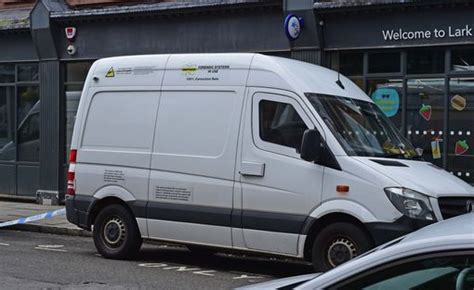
(361, 127)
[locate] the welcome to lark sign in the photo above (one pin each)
(449, 32)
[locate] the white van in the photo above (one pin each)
(245, 152)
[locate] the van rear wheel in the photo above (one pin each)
(116, 234)
(338, 243)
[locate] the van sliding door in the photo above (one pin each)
(192, 169)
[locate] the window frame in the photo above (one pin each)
(382, 267)
(280, 98)
(16, 85)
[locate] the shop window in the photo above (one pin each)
(387, 94)
(425, 116)
(28, 73)
(384, 62)
(351, 63)
(461, 128)
(7, 73)
(359, 82)
(7, 133)
(28, 109)
(77, 71)
(286, 54)
(462, 59)
(425, 61)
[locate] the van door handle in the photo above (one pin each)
(248, 168)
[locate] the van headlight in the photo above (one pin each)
(410, 203)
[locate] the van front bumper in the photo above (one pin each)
(384, 232)
(78, 210)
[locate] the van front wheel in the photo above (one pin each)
(116, 234)
(338, 243)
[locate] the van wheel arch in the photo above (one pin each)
(320, 223)
(102, 203)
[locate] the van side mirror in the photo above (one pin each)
(311, 145)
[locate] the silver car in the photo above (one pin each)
(440, 256)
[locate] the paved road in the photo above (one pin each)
(35, 260)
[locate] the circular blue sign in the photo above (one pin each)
(387, 100)
(293, 26)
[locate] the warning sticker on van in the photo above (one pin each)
(189, 69)
(174, 193)
(114, 176)
(110, 73)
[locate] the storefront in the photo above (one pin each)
(417, 62)
(19, 106)
(43, 64)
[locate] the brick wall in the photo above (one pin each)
(105, 2)
(5, 4)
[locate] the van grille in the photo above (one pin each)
(454, 206)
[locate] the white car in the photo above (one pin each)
(439, 256)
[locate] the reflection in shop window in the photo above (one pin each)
(384, 62)
(28, 109)
(461, 128)
(28, 72)
(7, 135)
(7, 73)
(72, 103)
(76, 73)
(425, 117)
(358, 81)
(424, 61)
(347, 63)
(462, 59)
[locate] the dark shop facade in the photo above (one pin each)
(415, 60)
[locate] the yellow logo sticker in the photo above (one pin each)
(110, 73)
(189, 70)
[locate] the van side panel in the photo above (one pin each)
(193, 163)
(115, 149)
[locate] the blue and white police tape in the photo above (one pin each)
(34, 218)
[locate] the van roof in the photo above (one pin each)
(223, 69)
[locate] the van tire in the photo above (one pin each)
(116, 234)
(337, 243)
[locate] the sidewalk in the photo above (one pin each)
(11, 210)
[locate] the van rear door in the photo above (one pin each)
(114, 151)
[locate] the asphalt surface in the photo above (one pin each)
(37, 260)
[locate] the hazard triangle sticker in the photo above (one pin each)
(110, 73)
